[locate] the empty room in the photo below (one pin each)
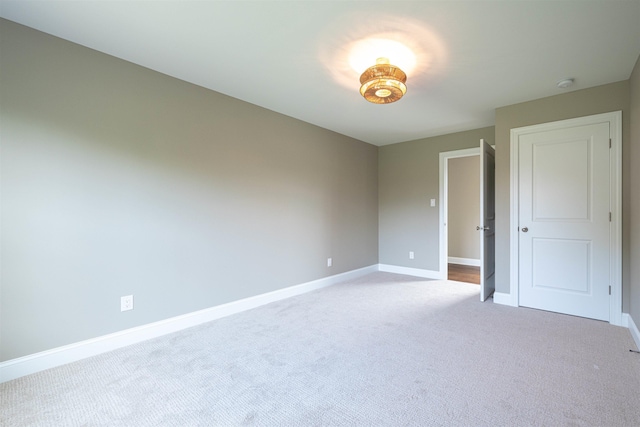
(314, 213)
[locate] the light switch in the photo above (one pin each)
(433, 203)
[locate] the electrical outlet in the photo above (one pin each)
(329, 262)
(411, 255)
(126, 303)
(433, 203)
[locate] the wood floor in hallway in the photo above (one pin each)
(464, 273)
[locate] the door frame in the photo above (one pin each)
(444, 203)
(615, 204)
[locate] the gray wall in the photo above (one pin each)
(600, 99)
(634, 165)
(119, 180)
(408, 178)
(463, 197)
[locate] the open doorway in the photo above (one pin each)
(463, 257)
(460, 203)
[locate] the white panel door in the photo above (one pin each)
(487, 220)
(564, 223)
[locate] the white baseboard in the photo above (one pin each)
(633, 328)
(624, 320)
(36, 362)
(464, 261)
(503, 299)
(418, 272)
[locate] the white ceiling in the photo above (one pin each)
(292, 56)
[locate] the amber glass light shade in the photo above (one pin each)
(383, 83)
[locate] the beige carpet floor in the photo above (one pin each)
(384, 350)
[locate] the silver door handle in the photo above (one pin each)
(478, 228)
(525, 229)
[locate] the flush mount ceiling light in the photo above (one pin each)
(383, 83)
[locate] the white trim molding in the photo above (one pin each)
(464, 261)
(615, 133)
(32, 363)
(417, 272)
(444, 201)
(504, 299)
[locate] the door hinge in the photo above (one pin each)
(609, 216)
(609, 289)
(609, 142)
